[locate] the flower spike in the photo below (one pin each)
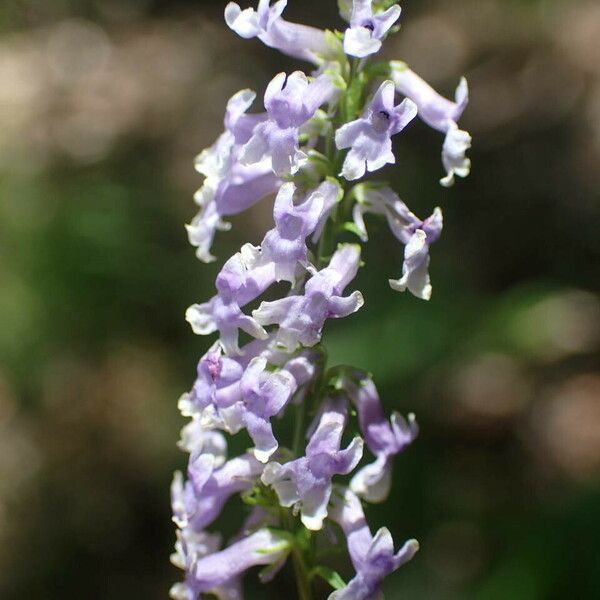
(267, 371)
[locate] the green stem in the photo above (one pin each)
(301, 573)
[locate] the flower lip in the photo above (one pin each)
(369, 25)
(382, 121)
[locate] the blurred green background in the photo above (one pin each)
(104, 104)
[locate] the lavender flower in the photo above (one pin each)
(189, 548)
(217, 385)
(284, 247)
(367, 29)
(222, 313)
(265, 395)
(199, 501)
(229, 187)
(373, 557)
(266, 23)
(220, 569)
(384, 438)
(441, 114)
(300, 318)
(305, 483)
(290, 102)
(370, 137)
(293, 151)
(238, 392)
(197, 439)
(248, 273)
(415, 234)
(415, 269)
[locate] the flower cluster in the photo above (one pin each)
(318, 135)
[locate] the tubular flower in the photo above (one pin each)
(441, 114)
(415, 234)
(248, 273)
(373, 557)
(264, 395)
(384, 438)
(226, 388)
(290, 102)
(301, 318)
(200, 500)
(305, 483)
(266, 23)
(268, 368)
(229, 187)
(367, 29)
(263, 547)
(190, 547)
(370, 137)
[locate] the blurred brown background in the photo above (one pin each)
(104, 104)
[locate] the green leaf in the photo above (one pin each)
(332, 577)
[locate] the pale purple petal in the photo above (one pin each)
(332, 193)
(456, 143)
(215, 161)
(306, 481)
(373, 481)
(438, 112)
(367, 29)
(244, 186)
(225, 316)
(415, 270)
(264, 547)
(257, 147)
(285, 245)
(346, 134)
(384, 438)
(359, 42)
(301, 318)
(369, 137)
(290, 102)
(211, 487)
(265, 394)
(237, 121)
(201, 231)
(195, 439)
(243, 22)
(373, 557)
(432, 226)
(295, 40)
(441, 114)
(245, 276)
(190, 546)
(230, 187)
(340, 306)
